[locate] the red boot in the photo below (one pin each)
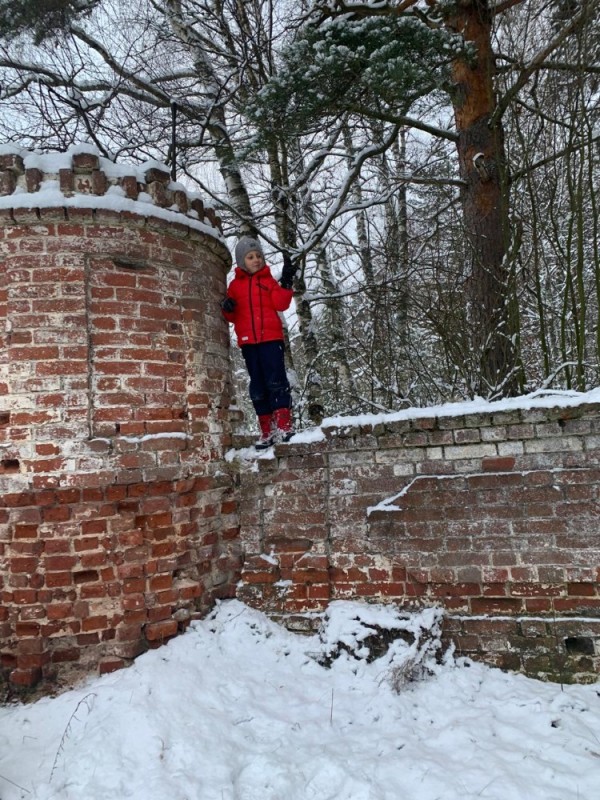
(283, 424)
(265, 422)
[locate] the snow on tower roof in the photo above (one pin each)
(82, 178)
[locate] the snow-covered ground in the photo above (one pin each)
(238, 708)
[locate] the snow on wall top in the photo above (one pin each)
(82, 178)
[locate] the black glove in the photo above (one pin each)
(228, 305)
(288, 271)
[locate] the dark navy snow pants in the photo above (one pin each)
(269, 386)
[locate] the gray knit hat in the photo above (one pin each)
(243, 247)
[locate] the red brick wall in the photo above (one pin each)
(117, 523)
(495, 518)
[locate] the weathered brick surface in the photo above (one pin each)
(493, 517)
(119, 521)
(116, 516)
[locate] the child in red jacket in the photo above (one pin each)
(253, 301)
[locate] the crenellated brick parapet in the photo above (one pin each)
(492, 516)
(117, 523)
(83, 178)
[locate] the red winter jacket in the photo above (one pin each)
(258, 298)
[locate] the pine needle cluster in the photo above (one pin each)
(41, 18)
(374, 65)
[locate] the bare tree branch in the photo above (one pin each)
(554, 157)
(540, 57)
(357, 163)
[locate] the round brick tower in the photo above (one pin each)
(117, 523)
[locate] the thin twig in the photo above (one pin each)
(8, 780)
(68, 730)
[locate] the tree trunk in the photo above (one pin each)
(216, 122)
(482, 167)
(338, 330)
(312, 395)
(313, 392)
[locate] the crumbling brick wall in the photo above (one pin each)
(117, 523)
(494, 517)
(119, 520)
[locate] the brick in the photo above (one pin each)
(94, 623)
(66, 655)
(583, 589)
(260, 577)
(58, 579)
(59, 610)
(57, 545)
(467, 436)
(159, 613)
(310, 576)
(158, 631)
(24, 565)
(59, 563)
(319, 591)
(134, 585)
(498, 464)
(108, 665)
(85, 162)
(456, 590)
(58, 513)
(32, 612)
(159, 582)
(190, 592)
(12, 162)
(96, 559)
(25, 677)
(167, 596)
(499, 605)
(535, 590)
(24, 596)
(27, 629)
(133, 602)
(88, 542)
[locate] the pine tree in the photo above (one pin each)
(43, 18)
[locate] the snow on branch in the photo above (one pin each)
(354, 170)
(537, 61)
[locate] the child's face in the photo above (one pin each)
(253, 261)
